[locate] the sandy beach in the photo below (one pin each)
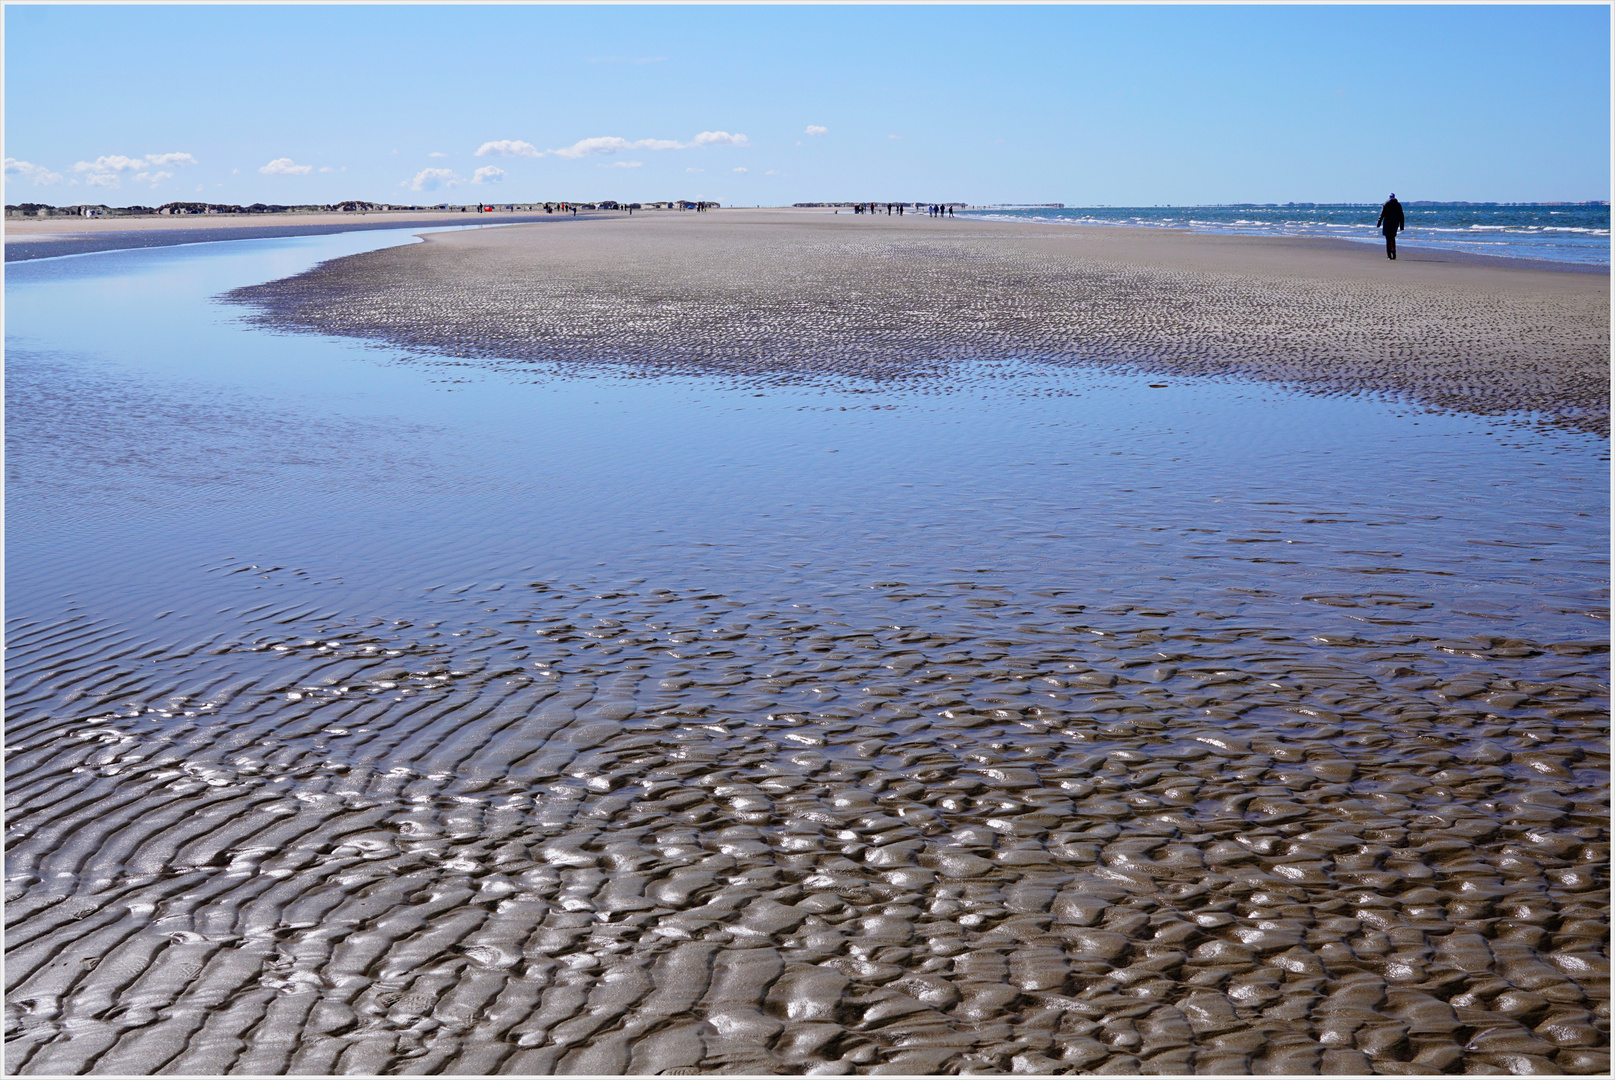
(867, 696)
(792, 295)
(41, 238)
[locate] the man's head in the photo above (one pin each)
(1393, 195)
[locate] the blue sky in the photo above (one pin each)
(767, 105)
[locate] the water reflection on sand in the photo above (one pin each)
(371, 713)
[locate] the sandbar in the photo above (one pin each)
(782, 295)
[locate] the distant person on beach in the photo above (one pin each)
(1390, 223)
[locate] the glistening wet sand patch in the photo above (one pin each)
(572, 829)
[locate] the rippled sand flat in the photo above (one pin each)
(558, 829)
(798, 296)
(386, 723)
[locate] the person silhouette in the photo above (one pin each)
(1390, 223)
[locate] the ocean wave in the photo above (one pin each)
(1518, 230)
(1584, 238)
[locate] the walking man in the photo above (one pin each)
(1390, 223)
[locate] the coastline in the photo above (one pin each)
(1509, 240)
(771, 295)
(27, 239)
(1406, 252)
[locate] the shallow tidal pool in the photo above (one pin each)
(377, 712)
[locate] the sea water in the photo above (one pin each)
(1558, 232)
(124, 365)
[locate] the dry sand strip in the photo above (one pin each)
(780, 295)
(49, 237)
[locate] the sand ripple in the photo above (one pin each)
(772, 298)
(572, 829)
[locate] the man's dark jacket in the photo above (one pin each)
(1390, 218)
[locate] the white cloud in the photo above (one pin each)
(894, 136)
(326, 168)
(741, 168)
(600, 144)
(110, 163)
(620, 165)
(773, 172)
(612, 144)
(104, 171)
(692, 168)
(432, 179)
(815, 129)
(509, 148)
(437, 153)
(37, 173)
(285, 166)
(152, 178)
(488, 174)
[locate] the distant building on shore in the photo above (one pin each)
(183, 209)
(883, 203)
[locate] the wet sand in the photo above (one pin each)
(582, 829)
(43, 238)
(1219, 777)
(779, 295)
